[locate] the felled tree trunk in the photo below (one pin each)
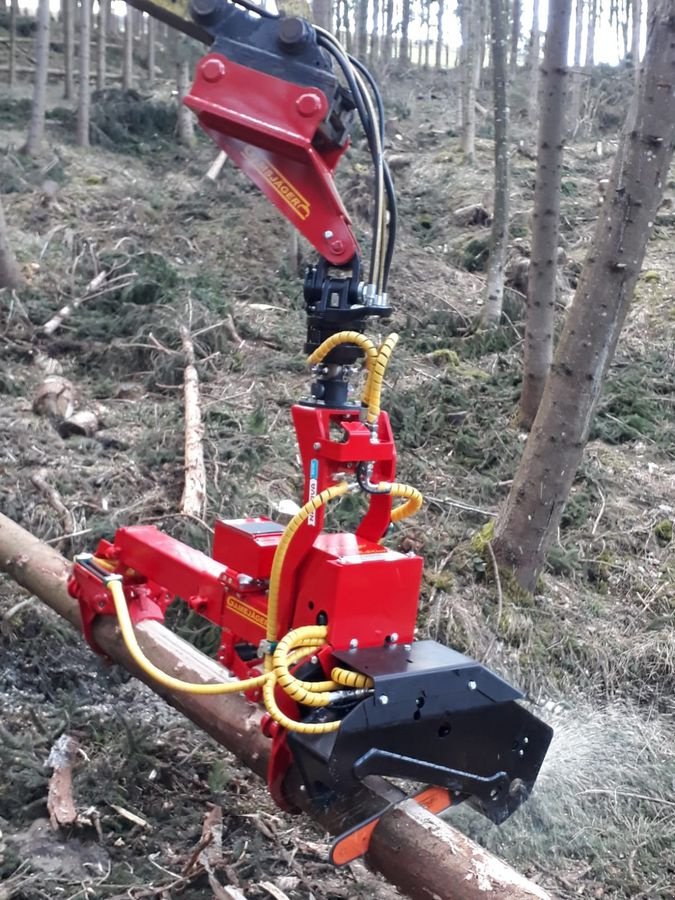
(529, 520)
(420, 854)
(541, 282)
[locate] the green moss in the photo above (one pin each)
(664, 531)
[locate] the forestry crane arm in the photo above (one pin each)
(318, 626)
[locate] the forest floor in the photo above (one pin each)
(595, 649)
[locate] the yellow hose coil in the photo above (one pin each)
(348, 679)
(373, 390)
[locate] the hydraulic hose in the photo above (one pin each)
(373, 389)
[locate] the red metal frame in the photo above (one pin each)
(267, 126)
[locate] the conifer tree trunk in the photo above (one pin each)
(575, 89)
(590, 35)
(404, 52)
(13, 13)
(152, 52)
(533, 66)
(128, 60)
(636, 10)
(362, 29)
(102, 43)
(185, 123)
(541, 282)
(472, 35)
(10, 274)
(36, 127)
(346, 24)
(84, 89)
(515, 36)
(322, 14)
(499, 235)
(68, 13)
(531, 516)
(387, 44)
(375, 34)
(439, 34)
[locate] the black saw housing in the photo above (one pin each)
(434, 716)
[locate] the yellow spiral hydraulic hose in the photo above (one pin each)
(373, 389)
(349, 679)
(412, 497)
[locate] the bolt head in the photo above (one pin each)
(213, 69)
(353, 644)
(328, 235)
(472, 685)
(308, 104)
(383, 699)
(316, 445)
(393, 637)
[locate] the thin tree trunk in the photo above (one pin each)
(590, 35)
(416, 851)
(36, 127)
(541, 283)
(10, 274)
(636, 9)
(404, 53)
(128, 60)
(515, 37)
(388, 43)
(185, 124)
(439, 34)
(577, 77)
(152, 64)
(13, 13)
(362, 29)
(499, 236)
(533, 65)
(322, 14)
(530, 519)
(68, 15)
(84, 89)
(375, 34)
(346, 24)
(102, 43)
(472, 35)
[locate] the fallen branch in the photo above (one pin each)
(54, 499)
(94, 289)
(413, 849)
(194, 492)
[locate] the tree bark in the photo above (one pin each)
(404, 52)
(152, 64)
(388, 42)
(574, 110)
(362, 29)
(13, 13)
(499, 235)
(84, 88)
(375, 35)
(440, 34)
(531, 516)
(413, 849)
(128, 59)
(102, 43)
(636, 12)
(541, 282)
(515, 37)
(590, 35)
(68, 14)
(36, 127)
(322, 14)
(533, 65)
(10, 274)
(185, 124)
